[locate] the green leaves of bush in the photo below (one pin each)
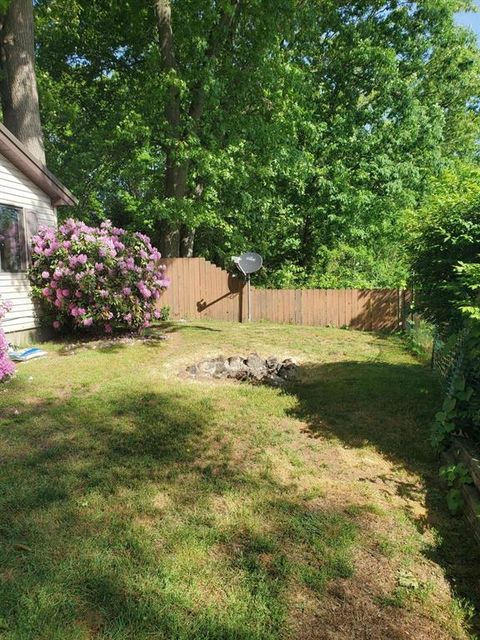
(455, 475)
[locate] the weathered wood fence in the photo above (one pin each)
(199, 289)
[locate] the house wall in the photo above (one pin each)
(17, 190)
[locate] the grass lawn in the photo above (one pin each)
(139, 504)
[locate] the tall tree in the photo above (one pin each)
(183, 117)
(302, 129)
(18, 87)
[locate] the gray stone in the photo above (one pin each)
(274, 380)
(236, 365)
(256, 366)
(207, 367)
(288, 370)
(272, 363)
(220, 364)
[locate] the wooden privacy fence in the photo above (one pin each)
(199, 289)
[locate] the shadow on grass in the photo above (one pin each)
(85, 551)
(125, 516)
(386, 405)
(391, 407)
(173, 327)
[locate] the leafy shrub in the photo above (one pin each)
(419, 338)
(448, 232)
(361, 267)
(86, 277)
(461, 408)
(7, 368)
(455, 476)
(164, 313)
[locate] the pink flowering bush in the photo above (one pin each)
(96, 277)
(7, 368)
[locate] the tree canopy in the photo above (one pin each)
(304, 130)
(445, 233)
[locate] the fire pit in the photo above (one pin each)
(252, 369)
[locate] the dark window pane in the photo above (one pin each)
(12, 239)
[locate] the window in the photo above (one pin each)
(12, 239)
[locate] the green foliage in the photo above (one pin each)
(447, 232)
(469, 275)
(457, 413)
(418, 337)
(323, 123)
(164, 313)
(455, 476)
(461, 409)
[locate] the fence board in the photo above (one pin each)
(199, 289)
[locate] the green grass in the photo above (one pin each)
(139, 504)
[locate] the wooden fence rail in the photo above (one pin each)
(199, 289)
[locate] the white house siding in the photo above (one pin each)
(17, 190)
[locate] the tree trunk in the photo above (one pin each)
(180, 239)
(175, 174)
(169, 239)
(187, 239)
(18, 88)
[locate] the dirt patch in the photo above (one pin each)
(357, 609)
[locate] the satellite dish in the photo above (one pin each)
(249, 262)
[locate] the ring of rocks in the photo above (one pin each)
(252, 369)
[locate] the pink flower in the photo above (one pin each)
(56, 324)
(144, 290)
(82, 289)
(7, 368)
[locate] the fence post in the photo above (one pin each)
(298, 306)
